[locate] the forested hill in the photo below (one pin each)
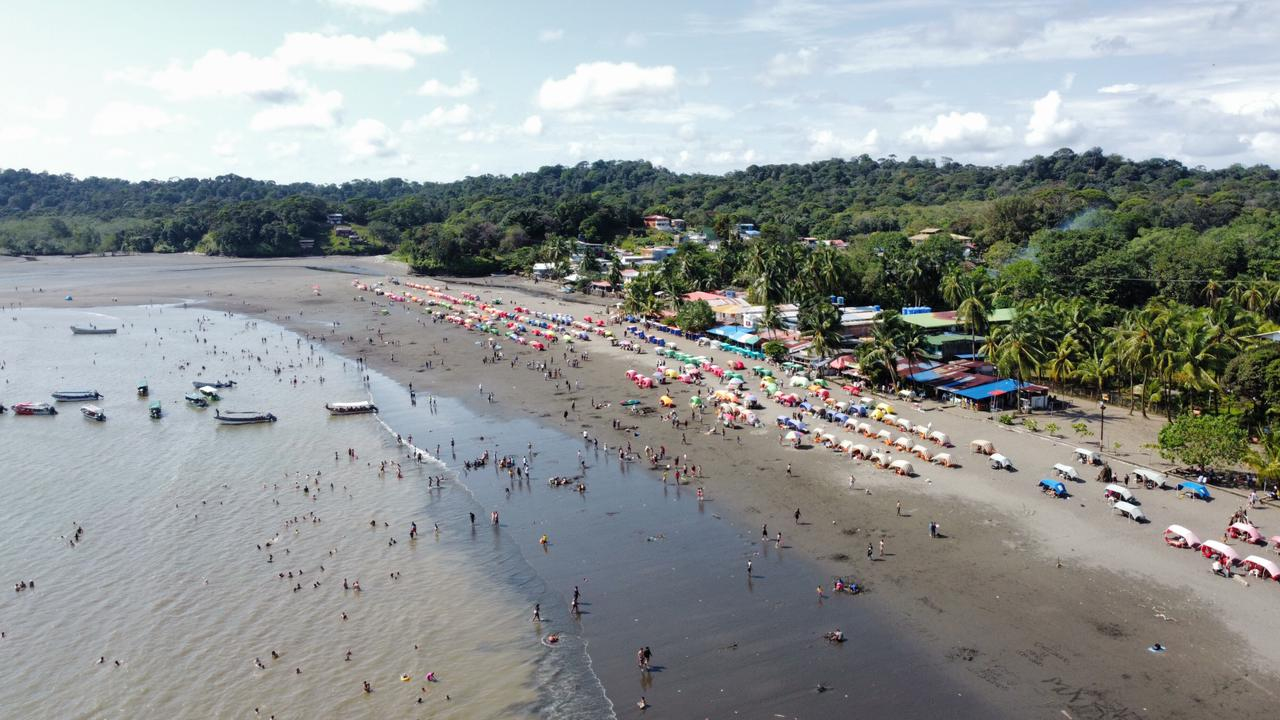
(485, 219)
(814, 190)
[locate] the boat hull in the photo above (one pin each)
(92, 331)
(363, 408)
(244, 418)
(74, 395)
(34, 409)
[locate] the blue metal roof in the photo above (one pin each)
(983, 392)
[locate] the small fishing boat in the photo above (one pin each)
(92, 330)
(93, 412)
(34, 408)
(143, 389)
(351, 408)
(73, 395)
(196, 400)
(220, 384)
(243, 418)
(210, 393)
(154, 409)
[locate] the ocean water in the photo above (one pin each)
(168, 577)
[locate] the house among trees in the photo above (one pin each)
(345, 231)
(929, 232)
(658, 222)
(334, 218)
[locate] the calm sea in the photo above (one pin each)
(168, 578)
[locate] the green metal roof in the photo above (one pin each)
(928, 321)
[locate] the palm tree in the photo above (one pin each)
(1097, 368)
(821, 321)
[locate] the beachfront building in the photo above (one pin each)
(946, 337)
(971, 383)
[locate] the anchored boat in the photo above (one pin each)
(220, 384)
(143, 389)
(351, 408)
(243, 418)
(91, 330)
(154, 409)
(73, 395)
(196, 400)
(210, 393)
(93, 412)
(34, 408)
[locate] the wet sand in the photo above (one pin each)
(1041, 607)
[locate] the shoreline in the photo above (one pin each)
(1046, 632)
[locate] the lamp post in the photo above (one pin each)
(1102, 431)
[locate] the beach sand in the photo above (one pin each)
(1042, 607)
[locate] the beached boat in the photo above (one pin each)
(210, 393)
(91, 330)
(243, 418)
(34, 408)
(196, 399)
(93, 412)
(143, 389)
(73, 395)
(220, 384)
(351, 408)
(154, 409)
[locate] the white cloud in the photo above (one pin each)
(467, 85)
(788, 65)
(635, 40)
(957, 131)
(221, 74)
(1120, 89)
(389, 7)
(395, 50)
(478, 136)
(551, 35)
(1047, 125)
(1266, 144)
(442, 116)
(605, 83)
(826, 144)
(317, 110)
(225, 144)
(281, 150)
(18, 133)
(369, 138)
(682, 159)
(532, 125)
(122, 118)
(53, 108)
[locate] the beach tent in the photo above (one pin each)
(982, 446)
(846, 445)
(944, 459)
(1219, 551)
(1178, 536)
(861, 451)
(798, 381)
(886, 436)
(903, 442)
(902, 467)
(940, 437)
(920, 451)
(791, 436)
(1129, 510)
(1262, 567)
(1000, 462)
(1248, 533)
(666, 401)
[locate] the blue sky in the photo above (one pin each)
(328, 90)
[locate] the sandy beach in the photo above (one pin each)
(1038, 606)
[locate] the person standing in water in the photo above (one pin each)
(537, 612)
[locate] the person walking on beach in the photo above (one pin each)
(870, 550)
(764, 531)
(788, 469)
(899, 508)
(882, 547)
(797, 516)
